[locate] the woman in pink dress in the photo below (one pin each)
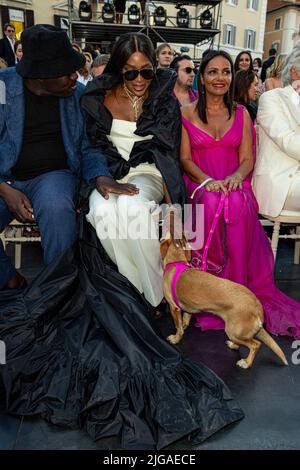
(217, 153)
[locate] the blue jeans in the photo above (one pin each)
(53, 197)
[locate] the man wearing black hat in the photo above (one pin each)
(43, 146)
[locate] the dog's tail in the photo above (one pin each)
(269, 341)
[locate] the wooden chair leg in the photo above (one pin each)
(297, 246)
(18, 248)
(275, 238)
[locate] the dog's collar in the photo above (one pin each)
(175, 264)
(180, 266)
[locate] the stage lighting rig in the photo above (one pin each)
(160, 16)
(206, 19)
(134, 14)
(85, 11)
(108, 13)
(183, 16)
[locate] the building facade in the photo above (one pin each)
(243, 26)
(25, 13)
(282, 25)
(242, 22)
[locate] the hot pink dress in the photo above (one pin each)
(239, 247)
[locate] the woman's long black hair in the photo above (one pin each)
(228, 97)
(243, 80)
(127, 45)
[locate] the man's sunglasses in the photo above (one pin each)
(188, 70)
(10, 30)
(130, 75)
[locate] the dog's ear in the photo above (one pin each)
(164, 245)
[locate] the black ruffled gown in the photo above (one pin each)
(82, 352)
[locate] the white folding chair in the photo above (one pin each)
(285, 217)
(13, 233)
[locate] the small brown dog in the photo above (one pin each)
(198, 291)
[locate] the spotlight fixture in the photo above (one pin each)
(206, 19)
(160, 16)
(108, 13)
(183, 16)
(85, 11)
(134, 14)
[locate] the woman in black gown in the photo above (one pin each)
(82, 350)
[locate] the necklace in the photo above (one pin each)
(136, 102)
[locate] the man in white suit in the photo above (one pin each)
(276, 179)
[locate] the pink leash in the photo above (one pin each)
(181, 266)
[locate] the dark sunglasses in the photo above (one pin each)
(10, 30)
(130, 75)
(188, 69)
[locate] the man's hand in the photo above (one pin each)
(106, 185)
(17, 203)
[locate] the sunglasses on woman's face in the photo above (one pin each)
(130, 75)
(188, 70)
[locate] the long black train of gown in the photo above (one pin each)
(82, 352)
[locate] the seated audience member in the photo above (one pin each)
(164, 55)
(257, 64)
(217, 154)
(135, 113)
(42, 144)
(85, 74)
(185, 68)
(267, 63)
(276, 179)
(7, 52)
(246, 90)
(99, 64)
(274, 73)
(88, 61)
(243, 61)
(18, 51)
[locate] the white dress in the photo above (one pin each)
(128, 225)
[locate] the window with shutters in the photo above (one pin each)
(277, 24)
(229, 33)
(252, 5)
(232, 2)
(250, 36)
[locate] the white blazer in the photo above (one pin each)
(278, 156)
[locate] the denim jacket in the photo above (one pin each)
(83, 159)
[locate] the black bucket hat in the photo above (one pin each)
(47, 53)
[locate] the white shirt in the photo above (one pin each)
(295, 97)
